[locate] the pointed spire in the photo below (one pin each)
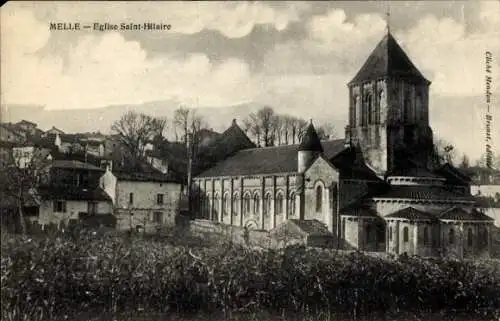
(310, 140)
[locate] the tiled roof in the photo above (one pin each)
(360, 210)
(388, 59)
(459, 214)
(267, 160)
(74, 164)
(411, 213)
(422, 193)
(143, 172)
(310, 140)
(72, 193)
(311, 227)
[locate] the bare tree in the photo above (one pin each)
(181, 122)
(444, 151)
(262, 124)
(252, 127)
(135, 131)
(20, 174)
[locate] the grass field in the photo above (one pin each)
(193, 278)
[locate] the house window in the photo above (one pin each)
(159, 199)
(246, 204)
(158, 217)
(256, 204)
(405, 234)
(59, 206)
(267, 204)
(469, 236)
(319, 198)
(279, 203)
(451, 236)
(92, 207)
(292, 204)
(131, 198)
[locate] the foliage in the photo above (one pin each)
(57, 276)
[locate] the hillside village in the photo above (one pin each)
(274, 173)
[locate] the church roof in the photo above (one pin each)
(459, 214)
(359, 210)
(310, 141)
(422, 193)
(267, 160)
(388, 60)
(411, 213)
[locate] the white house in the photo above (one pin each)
(143, 197)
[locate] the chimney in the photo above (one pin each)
(234, 122)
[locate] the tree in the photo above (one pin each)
(326, 131)
(262, 125)
(464, 163)
(135, 131)
(444, 152)
(20, 174)
(181, 122)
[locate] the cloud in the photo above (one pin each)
(234, 20)
(105, 69)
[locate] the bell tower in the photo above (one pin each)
(389, 109)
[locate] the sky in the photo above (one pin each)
(294, 56)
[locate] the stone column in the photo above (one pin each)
(221, 201)
(241, 201)
(287, 196)
(415, 238)
(212, 201)
(231, 197)
(460, 242)
(396, 238)
(261, 204)
(273, 204)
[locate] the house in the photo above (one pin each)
(378, 189)
(28, 127)
(9, 133)
(144, 198)
(54, 131)
(69, 192)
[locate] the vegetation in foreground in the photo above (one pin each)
(50, 277)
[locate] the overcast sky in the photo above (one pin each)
(291, 55)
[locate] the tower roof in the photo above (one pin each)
(310, 140)
(388, 59)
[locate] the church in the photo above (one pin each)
(378, 189)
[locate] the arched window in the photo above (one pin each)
(291, 208)
(426, 235)
(368, 231)
(236, 204)
(370, 108)
(405, 234)
(267, 204)
(469, 236)
(319, 199)
(390, 233)
(484, 237)
(216, 205)
(246, 204)
(225, 204)
(279, 203)
(256, 203)
(451, 236)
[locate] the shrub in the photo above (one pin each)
(60, 275)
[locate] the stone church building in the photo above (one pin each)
(378, 189)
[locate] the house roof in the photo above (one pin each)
(310, 140)
(459, 214)
(27, 122)
(421, 193)
(59, 163)
(411, 213)
(388, 59)
(267, 160)
(72, 193)
(143, 172)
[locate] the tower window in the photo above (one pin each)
(256, 203)
(319, 198)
